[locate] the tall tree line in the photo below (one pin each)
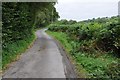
(20, 19)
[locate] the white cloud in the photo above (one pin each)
(85, 9)
(69, 1)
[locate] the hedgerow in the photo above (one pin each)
(95, 45)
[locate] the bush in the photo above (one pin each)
(106, 35)
(113, 71)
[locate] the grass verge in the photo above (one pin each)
(88, 66)
(62, 38)
(14, 50)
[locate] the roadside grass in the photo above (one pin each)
(89, 66)
(96, 67)
(63, 39)
(14, 50)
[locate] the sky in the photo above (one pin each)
(86, 9)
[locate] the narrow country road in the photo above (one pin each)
(42, 60)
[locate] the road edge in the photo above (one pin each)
(69, 67)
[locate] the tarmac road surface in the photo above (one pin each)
(42, 60)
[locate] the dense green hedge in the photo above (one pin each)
(104, 35)
(16, 22)
(95, 45)
(19, 19)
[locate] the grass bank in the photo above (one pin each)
(103, 66)
(14, 50)
(63, 39)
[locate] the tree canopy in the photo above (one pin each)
(19, 19)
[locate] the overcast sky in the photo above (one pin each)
(86, 9)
